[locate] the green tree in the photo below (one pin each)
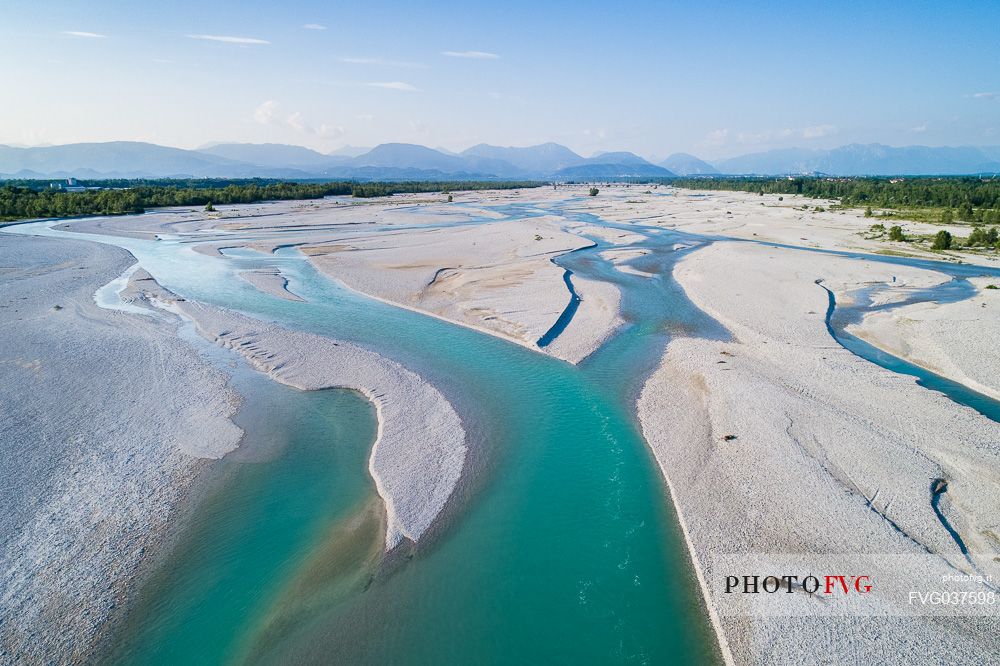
(896, 233)
(30, 199)
(946, 216)
(992, 236)
(965, 212)
(209, 208)
(977, 237)
(594, 191)
(868, 211)
(942, 240)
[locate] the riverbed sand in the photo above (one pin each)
(419, 452)
(776, 441)
(498, 277)
(106, 417)
(270, 281)
(954, 340)
(786, 219)
(780, 441)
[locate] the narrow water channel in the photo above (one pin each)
(838, 318)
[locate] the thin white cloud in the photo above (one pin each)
(330, 131)
(720, 137)
(394, 85)
(265, 113)
(228, 39)
(314, 26)
(366, 117)
(919, 129)
(81, 33)
(473, 55)
(717, 137)
(268, 113)
(298, 123)
(761, 137)
(362, 60)
(986, 95)
(817, 131)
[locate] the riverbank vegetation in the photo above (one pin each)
(980, 239)
(27, 199)
(952, 201)
(944, 200)
(950, 191)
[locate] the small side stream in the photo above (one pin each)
(838, 318)
(567, 314)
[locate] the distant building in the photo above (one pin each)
(70, 185)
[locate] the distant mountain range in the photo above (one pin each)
(402, 161)
(544, 158)
(273, 155)
(688, 165)
(871, 159)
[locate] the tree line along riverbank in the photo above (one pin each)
(29, 199)
(969, 199)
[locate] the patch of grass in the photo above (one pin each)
(897, 253)
(929, 215)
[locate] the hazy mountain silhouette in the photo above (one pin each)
(684, 164)
(394, 161)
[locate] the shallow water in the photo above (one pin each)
(300, 474)
(109, 296)
(838, 318)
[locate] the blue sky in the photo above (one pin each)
(711, 78)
